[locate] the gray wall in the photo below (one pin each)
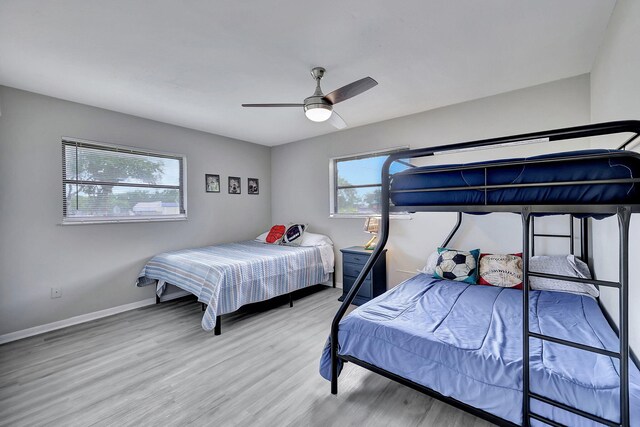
(96, 265)
(615, 95)
(301, 175)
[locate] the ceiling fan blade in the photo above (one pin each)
(336, 121)
(273, 105)
(350, 90)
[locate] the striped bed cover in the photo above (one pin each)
(228, 276)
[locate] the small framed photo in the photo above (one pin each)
(234, 185)
(253, 186)
(212, 183)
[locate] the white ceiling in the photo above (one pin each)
(192, 63)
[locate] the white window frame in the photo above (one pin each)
(67, 141)
(333, 180)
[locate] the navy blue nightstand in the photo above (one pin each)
(353, 261)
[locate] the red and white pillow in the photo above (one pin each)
(504, 271)
(273, 236)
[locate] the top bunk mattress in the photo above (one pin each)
(575, 166)
(465, 341)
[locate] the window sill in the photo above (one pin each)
(406, 216)
(93, 221)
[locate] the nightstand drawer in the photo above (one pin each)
(374, 284)
(355, 258)
(364, 291)
(353, 270)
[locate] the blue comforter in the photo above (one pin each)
(228, 276)
(464, 341)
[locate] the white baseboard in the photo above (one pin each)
(36, 330)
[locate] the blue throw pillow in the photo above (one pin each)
(460, 266)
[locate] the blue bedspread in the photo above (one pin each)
(464, 341)
(228, 276)
(626, 166)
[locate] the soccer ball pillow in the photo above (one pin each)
(456, 265)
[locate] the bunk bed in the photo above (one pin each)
(563, 363)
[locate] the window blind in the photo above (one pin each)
(356, 187)
(110, 183)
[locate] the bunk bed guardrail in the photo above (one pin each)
(527, 212)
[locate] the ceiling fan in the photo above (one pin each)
(319, 107)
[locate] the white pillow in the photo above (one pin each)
(564, 266)
(263, 237)
(313, 239)
(432, 261)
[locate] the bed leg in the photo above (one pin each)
(333, 277)
(157, 299)
(204, 307)
(218, 328)
(291, 300)
(334, 370)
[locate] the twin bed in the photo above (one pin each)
(228, 276)
(564, 362)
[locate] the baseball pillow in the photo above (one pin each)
(504, 271)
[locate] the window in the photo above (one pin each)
(356, 182)
(108, 183)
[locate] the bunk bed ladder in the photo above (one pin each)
(623, 214)
(570, 236)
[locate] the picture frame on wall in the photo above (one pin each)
(212, 183)
(253, 186)
(235, 185)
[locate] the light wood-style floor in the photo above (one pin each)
(155, 366)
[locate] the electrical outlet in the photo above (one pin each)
(56, 292)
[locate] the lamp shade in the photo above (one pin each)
(318, 112)
(372, 224)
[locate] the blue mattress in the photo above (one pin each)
(464, 341)
(627, 166)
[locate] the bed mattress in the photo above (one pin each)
(226, 277)
(464, 341)
(627, 166)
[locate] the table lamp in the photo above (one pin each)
(371, 225)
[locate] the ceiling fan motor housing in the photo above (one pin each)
(317, 109)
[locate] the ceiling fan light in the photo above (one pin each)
(318, 112)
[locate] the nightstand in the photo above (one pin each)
(353, 261)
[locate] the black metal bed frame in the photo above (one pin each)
(217, 330)
(527, 212)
